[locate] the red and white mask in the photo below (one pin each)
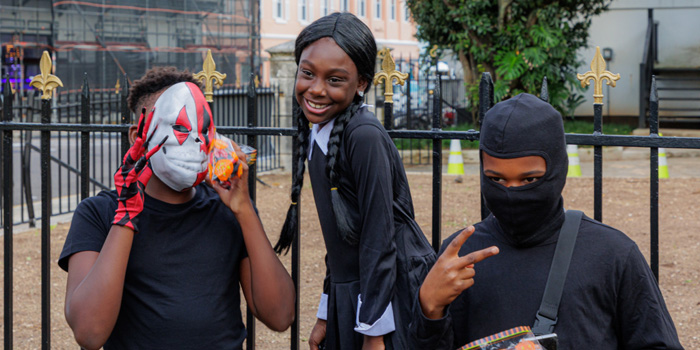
(182, 114)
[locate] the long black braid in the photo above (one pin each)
(356, 39)
(349, 231)
(290, 223)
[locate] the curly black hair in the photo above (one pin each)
(157, 79)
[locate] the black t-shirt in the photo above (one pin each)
(182, 281)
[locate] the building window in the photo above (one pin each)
(325, 7)
(303, 10)
(406, 12)
(378, 9)
(344, 5)
(362, 8)
(392, 9)
(278, 10)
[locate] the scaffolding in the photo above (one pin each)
(109, 38)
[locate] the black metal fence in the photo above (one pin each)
(85, 132)
(415, 101)
(108, 107)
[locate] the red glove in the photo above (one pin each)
(131, 178)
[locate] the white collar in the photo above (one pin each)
(322, 136)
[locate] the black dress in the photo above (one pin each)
(392, 257)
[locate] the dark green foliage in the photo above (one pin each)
(517, 41)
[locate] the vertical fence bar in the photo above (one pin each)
(654, 181)
(125, 116)
(595, 77)
(252, 142)
(296, 244)
(598, 163)
(544, 90)
(485, 103)
(45, 226)
(85, 141)
(437, 165)
(7, 212)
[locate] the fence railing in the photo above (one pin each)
(252, 132)
(108, 107)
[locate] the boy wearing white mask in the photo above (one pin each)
(157, 263)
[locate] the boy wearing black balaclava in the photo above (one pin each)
(610, 298)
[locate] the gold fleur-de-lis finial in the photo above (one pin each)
(46, 81)
(433, 51)
(238, 82)
(597, 74)
(210, 77)
(117, 86)
(389, 74)
(256, 80)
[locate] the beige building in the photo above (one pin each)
(389, 20)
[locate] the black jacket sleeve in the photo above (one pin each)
(425, 333)
(643, 319)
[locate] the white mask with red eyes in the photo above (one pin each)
(182, 114)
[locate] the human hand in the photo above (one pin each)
(450, 275)
(318, 334)
(373, 343)
(236, 196)
(133, 175)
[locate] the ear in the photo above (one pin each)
(362, 86)
(132, 133)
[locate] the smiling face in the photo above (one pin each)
(327, 81)
(513, 172)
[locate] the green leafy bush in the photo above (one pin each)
(518, 41)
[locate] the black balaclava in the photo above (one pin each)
(526, 126)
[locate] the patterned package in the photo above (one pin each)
(224, 162)
(518, 338)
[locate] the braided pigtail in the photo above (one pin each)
(347, 229)
(291, 224)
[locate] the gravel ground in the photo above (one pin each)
(625, 206)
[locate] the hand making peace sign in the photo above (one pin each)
(451, 275)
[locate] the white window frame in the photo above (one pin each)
(362, 8)
(377, 9)
(326, 8)
(344, 6)
(392, 10)
(303, 11)
(284, 8)
(406, 12)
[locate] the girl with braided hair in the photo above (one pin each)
(377, 255)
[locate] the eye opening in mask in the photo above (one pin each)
(514, 171)
(180, 128)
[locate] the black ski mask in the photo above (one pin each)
(526, 126)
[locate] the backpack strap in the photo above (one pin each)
(547, 314)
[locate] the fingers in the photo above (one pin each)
(477, 256)
(147, 124)
(456, 244)
(156, 148)
(142, 121)
(218, 188)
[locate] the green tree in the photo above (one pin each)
(517, 41)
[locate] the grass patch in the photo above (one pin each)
(585, 127)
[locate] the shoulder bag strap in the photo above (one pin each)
(547, 314)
